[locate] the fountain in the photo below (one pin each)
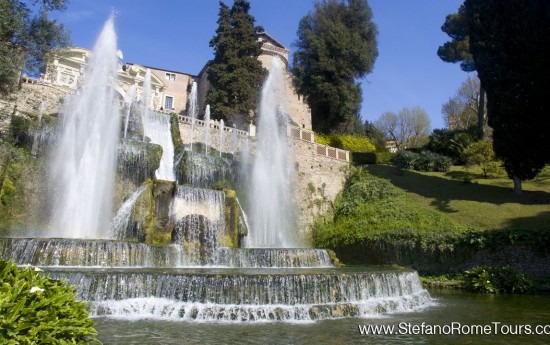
(187, 261)
(207, 128)
(131, 94)
(273, 221)
(156, 127)
(85, 157)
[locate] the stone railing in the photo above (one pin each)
(213, 124)
(292, 131)
(320, 149)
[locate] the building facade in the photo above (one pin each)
(171, 89)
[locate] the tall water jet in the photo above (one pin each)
(193, 108)
(157, 128)
(222, 130)
(83, 166)
(272, 218)
(41, 110)
(131, 94)
(206, 128)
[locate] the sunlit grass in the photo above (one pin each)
(469, 199)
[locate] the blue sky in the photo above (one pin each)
(175, 35)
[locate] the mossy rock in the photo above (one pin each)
(137, 160)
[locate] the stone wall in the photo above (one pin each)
(318, 180)
(26, 102)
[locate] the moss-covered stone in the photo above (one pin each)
(232, 217)
(137, 160)
(151, 215)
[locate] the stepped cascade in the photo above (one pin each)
(190, 239)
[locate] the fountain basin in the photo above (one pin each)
(229, 294)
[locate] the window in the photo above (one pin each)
(168, 102)
(170, 76)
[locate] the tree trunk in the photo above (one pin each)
(517, 185)
(481, 112)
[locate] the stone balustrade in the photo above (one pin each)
(292, 131)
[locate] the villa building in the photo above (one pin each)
(171, 89)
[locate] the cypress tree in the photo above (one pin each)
(235, 73)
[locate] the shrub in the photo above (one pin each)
(346, 142)
(372, 157)
(371, 208)
(496, 280)
(481, 153)
(405, 159)
(429, 161)
(452, 143)
(37, 310)
(423, 161)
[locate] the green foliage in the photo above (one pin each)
(25, 41)
(371, 209)
(453, 143)
(377, 137)
(372, 157)
(496, 280)
(458, 49)
(336, 47)
(19, 132)
(346, 142)
(405, 159)
(429, 161)
(235, 74)
(39, 310)
(481, 153)
(509, 44)
(176, 135)
(423, 161)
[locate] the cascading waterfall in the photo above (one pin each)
(157, 128)
(206, 128)
(131, 95)
(304, 295)
(119, 224)
(64, 252)
(222, 131)
(200, 222)
(83, 167)
(272, 217)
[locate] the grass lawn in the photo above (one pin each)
(487, 204)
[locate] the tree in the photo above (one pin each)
(26, 41)
(509, 44)
(375, 135)
(481, 153)
(409, 128)
(336, 47)
(235, 74)
(461, 111)
(458, 50)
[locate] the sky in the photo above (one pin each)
(175, 35)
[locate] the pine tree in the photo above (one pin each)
(235, 73)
